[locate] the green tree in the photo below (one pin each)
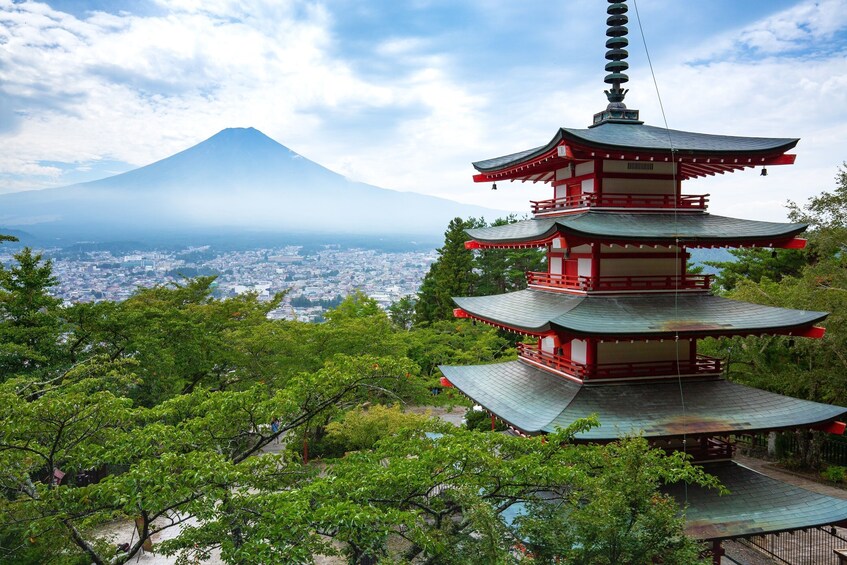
(449, 495)
(754, 264)
(182, 336)
(462, 272)
(205, 442)
(30, 318)
(812, 369)
(504, 270)
(402, 312)
(452, 274)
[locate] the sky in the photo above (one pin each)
(406, 94)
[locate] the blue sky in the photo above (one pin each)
(404, 95)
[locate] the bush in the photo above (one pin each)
(835, 474)
(480, 420)
(362, 427)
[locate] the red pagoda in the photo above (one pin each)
(617, 318)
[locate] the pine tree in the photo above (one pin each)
(452, 274)
(30, 320)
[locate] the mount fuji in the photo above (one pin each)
(238, 180)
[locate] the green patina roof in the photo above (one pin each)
(756, 504)
(634, 137)
(536, 401)
(649, 315)
(594, 225)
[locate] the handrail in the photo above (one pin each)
(687, 281)
(701, 364)
(623, 200)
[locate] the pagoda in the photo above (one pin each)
(616, 317)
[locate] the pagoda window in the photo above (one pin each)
(579, 351)
(610, 352)
(556, 265)
(583, 267)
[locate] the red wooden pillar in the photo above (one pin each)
(678, 187)
(717, 552)
(595, 267)
(590, 357)
(598, 178)
(493, 422)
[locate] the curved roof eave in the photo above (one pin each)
(535, 401)
(651, 316)
(649, 139)
(639, 227)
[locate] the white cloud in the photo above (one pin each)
(138, 88)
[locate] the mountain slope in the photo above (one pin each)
(239, 179)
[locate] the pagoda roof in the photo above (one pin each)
(692, 229)
(535, 401)
(712, 153)
(756, 505)
(642, 315)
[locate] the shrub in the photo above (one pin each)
(480, 420)
(362, 427)
(835, 474)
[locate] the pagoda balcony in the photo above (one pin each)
(622, 283)
(650, 201)
(701, 365)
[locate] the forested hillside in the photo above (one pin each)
(275, 441)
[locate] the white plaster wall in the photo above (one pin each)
(584, 168)
(633, 352)
(637, 186)
(588, 185)
(637, 267)
(583, 267)
(547, 345)
(556, 265)
(578, 351)
(618, 166)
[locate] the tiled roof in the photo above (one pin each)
(756, 504)
(536, 401)
(649, 315)
(690, 228)
(635, 137)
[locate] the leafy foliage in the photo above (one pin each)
(462, 272)
(814, 279)
(157, 411)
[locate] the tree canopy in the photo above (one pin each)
(181, 412)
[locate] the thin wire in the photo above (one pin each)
(676, 247)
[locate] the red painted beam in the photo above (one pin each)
(835, 428)
(785, 159)
(460, 313)
(472, 244)
(815, 332)
(445, 383)
(796, 243)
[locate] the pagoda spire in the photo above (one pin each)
(616, 54)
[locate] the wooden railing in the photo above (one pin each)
(620, 283)
(700, 365)
(708, 449)
(591, 200)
